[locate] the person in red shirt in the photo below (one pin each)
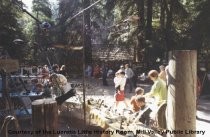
(138, 92)
(96, 71)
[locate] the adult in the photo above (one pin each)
(162, 74)
(129, 77)
(104, 74)
(63, 70)
(89, 70)
(122, 68)
(59, 84)
(45, 71)
(158, 90)
(61, 88)
(55, 68)
(96, 71)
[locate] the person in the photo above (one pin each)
(138, 92)
(34, 82)
(119, 82)
(122, 68)
(135, 76)
(62, 89)
(104, 74)
(144, 112)
(55, 68)
(88, 71)
(39, 70)
(63, 70)
(39, 88)
(162, 74)
(96, 71)
(59, 84)
(45, 71)
(110, 73)
(158, 90)
(129, 75)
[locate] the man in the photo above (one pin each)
(158, 90)
(129, 75)
(104, 74)
(61, 88)
(59, 84)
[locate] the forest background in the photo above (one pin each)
(146, 29)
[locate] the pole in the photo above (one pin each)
(82, 11)
(83, 59)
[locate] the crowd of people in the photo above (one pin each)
(124, 80)
(138, 102)
(43, 80)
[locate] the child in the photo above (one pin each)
(144, 112)
(120, 82)
(138, 92)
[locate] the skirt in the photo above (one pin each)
(119, 96)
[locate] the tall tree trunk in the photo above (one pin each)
(141, 26)
(87, 33)
(149, 20)
(162, 26)
(169, 13)
(181, 102)
(162, 15)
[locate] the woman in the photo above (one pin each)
(158, 90)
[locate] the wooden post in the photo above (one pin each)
(181, 104)
(45, 118)
(8, 103)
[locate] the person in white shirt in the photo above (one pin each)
(60, 84)
(129, 77)
(120, 82)
(61, 87)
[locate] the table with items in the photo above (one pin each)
(117, 124)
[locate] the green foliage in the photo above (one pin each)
(43, 7)
(39, 38)
(111, 24)
(10, 29)
(200, 29)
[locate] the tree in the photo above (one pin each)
(141, 27)
(41, 37)
(87, 34)
(10, 29)
(148, 34)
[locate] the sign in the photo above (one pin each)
(9, 65)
